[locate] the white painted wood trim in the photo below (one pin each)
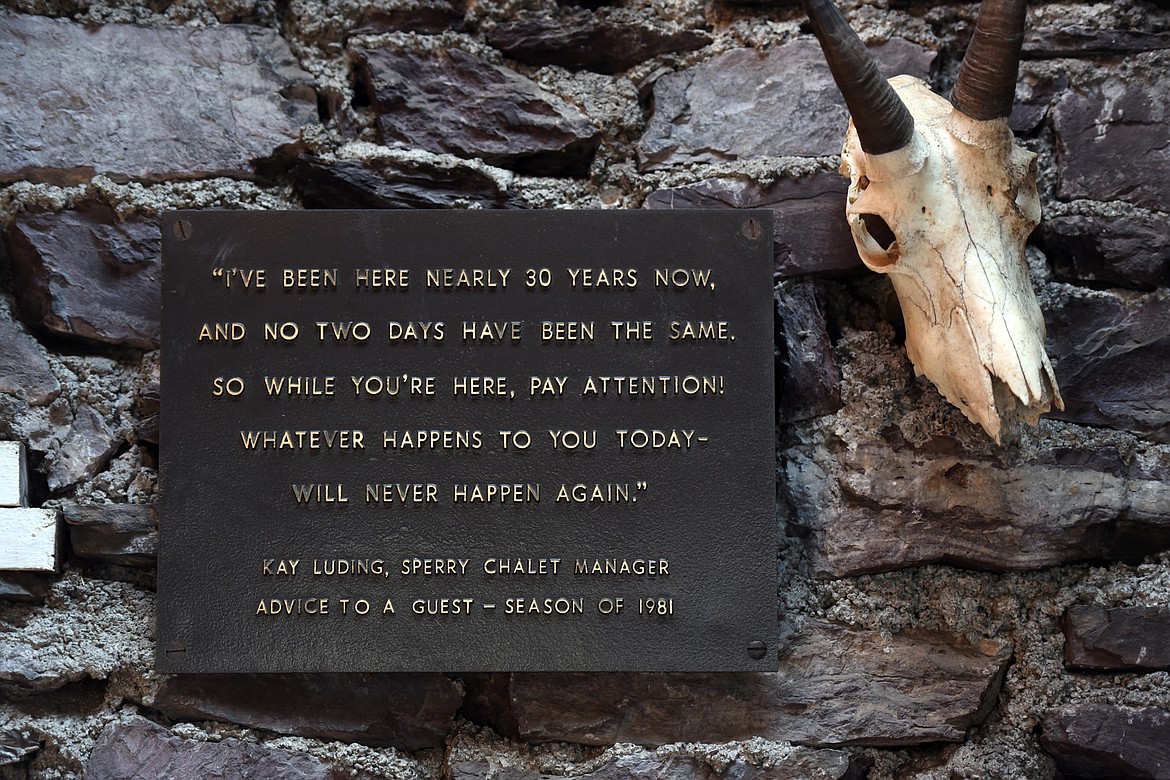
(13, 478)
(28, 539)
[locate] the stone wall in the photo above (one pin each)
(950, 607)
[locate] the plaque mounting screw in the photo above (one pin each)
(755, 650)
(752, 229)
(176, 651)
(182, 231)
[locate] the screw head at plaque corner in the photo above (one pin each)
(181, 229)
(176, 651)
(756, 650)
(752, 229)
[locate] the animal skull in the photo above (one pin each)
(942, 200)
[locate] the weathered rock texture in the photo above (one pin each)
(140, 748)
(906, 690)
(808, 382)
(741, 104)
(453, 101)
(1112, 139)
(1111, 352)
(1123, 250)
(810, 234)
(590, 41)
(24, 369)
(1120, 639)
(144, 103)
(124, 534)
(86, 273)
(395, 184)
(881, 505)
(411, 712)
(795, 764)
(1104, 741)
(1083, 41)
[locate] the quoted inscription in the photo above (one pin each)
(461, 433)
(391, 494)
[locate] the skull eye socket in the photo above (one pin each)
(878, 230)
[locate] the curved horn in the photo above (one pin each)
(986, 85)
(882, 121)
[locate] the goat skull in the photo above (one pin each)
(942, 200)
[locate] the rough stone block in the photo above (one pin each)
(1124, 639)
(406, 711)
(1079, 41)
(1106, 741)
(139, 748)
(24, 368)
(28, 539)
(136, 102)
(879, 506)
(27, 587)
(1129, 251)
(1111, 354)
(810, 234)
(793, 764)
(605, 43)
(743, 104)
(123, 534)
(86, 447)
(1036, 91)
(835, 686)
(87, 274)
(808, 380)
(1111, 138)
(447, 100)
(395, 184)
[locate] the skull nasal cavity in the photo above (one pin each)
(878, 230)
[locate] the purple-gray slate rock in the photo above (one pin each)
(1077, 41)
(395, 184)
(590, 41)
(123, 534)
(1111, 354)
(880, 506)
(1111, 139)
(798, 764)
(1131, 251)
(808, 382)
(742, 104)
(140, 749)
(406, 711)
(145, 103)
(1036, 91)
(87, 274)
(1123, 639)
(835, 686)
(809, 231)
(24, 368)
(86, 448)
(27, 587)
(426, 19)
(1090, 741)
(447, 100)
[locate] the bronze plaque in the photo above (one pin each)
(467, 441)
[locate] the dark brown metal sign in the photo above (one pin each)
(467, 441)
